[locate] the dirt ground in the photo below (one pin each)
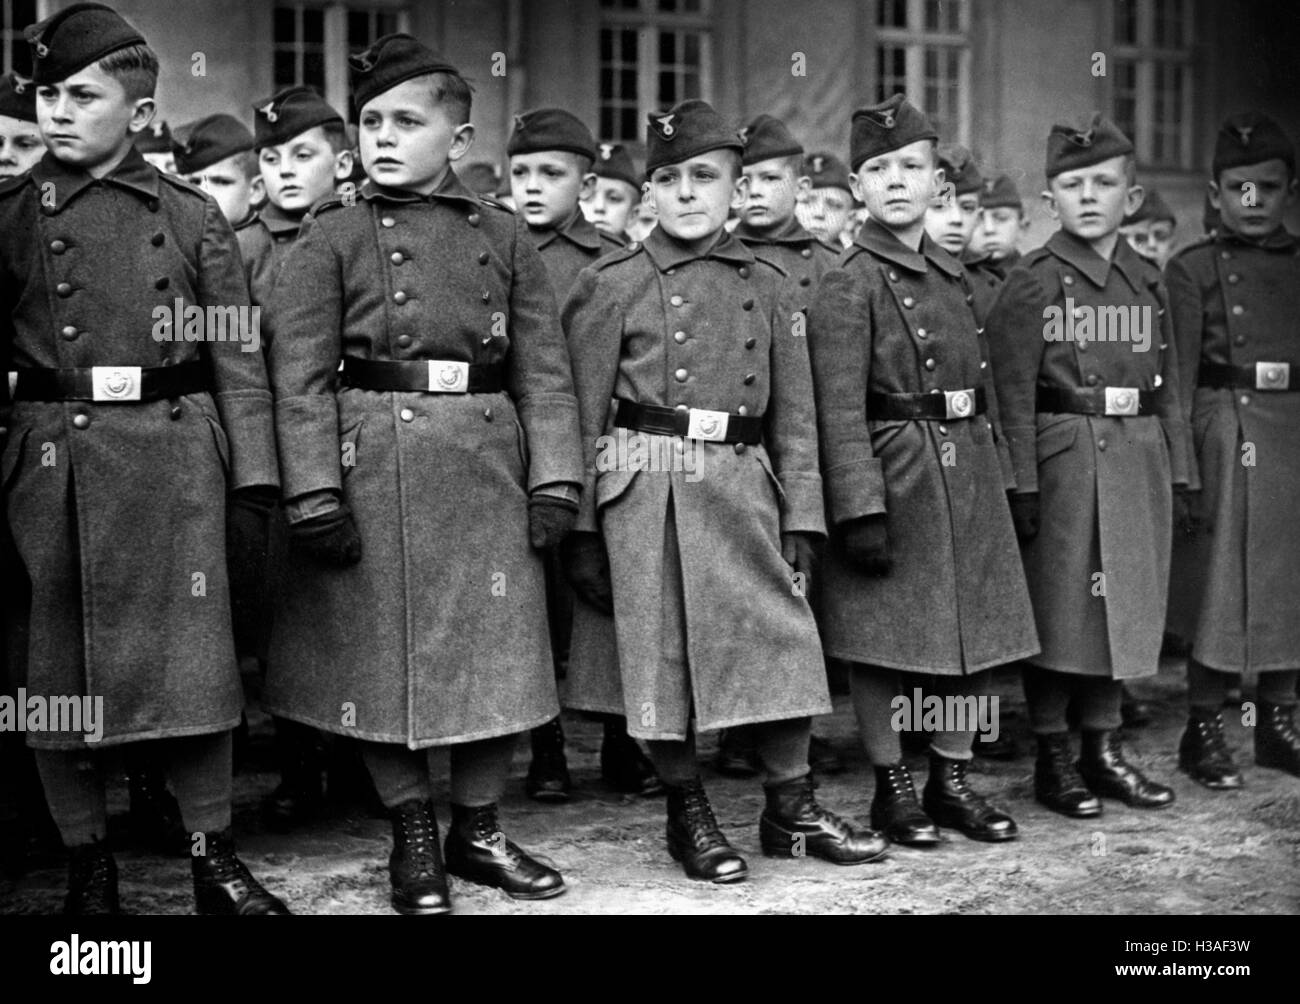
(1232, 853)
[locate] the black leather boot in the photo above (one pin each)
(623, 765)
(822, 757)
(224, 886)
(1109, 775)
(1277, 743)
(1057, 783)
(896, 812)
(299, 797)
(794, 825)
(737, 753)
(478, 851)
(415, 868)
(694, 838)
(950, 801)
(92, 882)
(154, 818)
(1203, 752)
(548, 774)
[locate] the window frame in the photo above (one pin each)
(1144, 56)
(916, 40)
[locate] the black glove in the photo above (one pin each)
(248, 517)
(800, 552)
(550, 518)
(586, 564)
(1186, 516)
(1024, 514)
(330, 538)
(866, 544)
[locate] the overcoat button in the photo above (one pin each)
(396, 258)
(176, 412)
(747, 305)
(1240, 340)
(153, 205)
(157, 240)
(162, 283)
(407, 415)
(58, 247)
(680, 376)
(1083, 346)
(387, 221)
(1234, 278)
(893, 276)
(743, 271)
(1068, 280)
(63, 289)
(1101, 444)
(487, 414)
(922, 333)
(472, 219)
(82, 421)
(970, 297)
(930, 364)
(679, 337)
(750, 342)
(1225, 255)
(404, 341)
(1245, 399)
(484, 258)
(1238, 309)
(742, 410)
(740, 447)
(1092, 379)
(486, 296)
(943, 430)
(806, 252)
(805, 281)
(908, 302)
(675, 300)
(70, 333)
(749, 379)
(399, 297)
(671, 271)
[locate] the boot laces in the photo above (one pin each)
(1210, 733)
(700, 819)
(419, 844)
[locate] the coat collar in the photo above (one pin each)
(577, 230)
(450, 189)
(278, 221)
(1080, 254)
(882, 243)
(135, 174)
(668, 253)
(1280, 239)
(790, 232)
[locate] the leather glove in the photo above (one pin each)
(1024, 514)
(866, 544)
(1186, 516)
(248, 517)
(550, 518)
(330, 538)
(800, 552)
(586, 565)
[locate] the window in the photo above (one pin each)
(1151, 79)
(310, 43)
(923, 49)
(15, 15)
(653, 54)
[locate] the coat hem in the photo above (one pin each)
(731, 723)
(134, 737)
(836, 653)
(419, 744)
(1110, 674)
(1248, 667)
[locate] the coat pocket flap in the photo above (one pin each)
(1057, 437)
(766, 462)
(222, 442)
(611, 484)
(12, 456)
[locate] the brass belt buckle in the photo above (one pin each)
(1122, 401)
(448, 377)
(115, 383)
(1272, 376)
(958, 403)
(708, 425)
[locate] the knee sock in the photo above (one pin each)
(674, 759)
(1098, 699)
(872, 689)
(400, 774)
(1207, 688)
(783, 748)
(199, 771)
(1047, 694)
(1278, 687)
(479, 770)
(956, 745)
(74, 791)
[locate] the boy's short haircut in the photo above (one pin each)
(336, 134)
(135, 68)
(454, 92)
(1130, 170)
(246, 161)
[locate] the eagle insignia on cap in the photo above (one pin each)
(268, 110)
(19, 83)
(887, 120)
(666, 128)
(42, 49)
(520, 123)
(744, 135)
(363, 62)
(989, 185)
(1244, 133)
(818, 164)
(157, 128)
(606, 151)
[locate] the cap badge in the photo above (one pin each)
(363, 62)
(818, 164)
(666, 128)
(989, 185)
(606, 151)
(744, 135)
(268, 110)
(1244, 132)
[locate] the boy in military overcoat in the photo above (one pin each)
(704, 563)
(1235, 297)
(1089, 392)
(922, 573)
(124, 440)
(422, 479)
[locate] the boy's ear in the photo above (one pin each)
(588, 188)
(142, 113)
(1049, 202)
(1212, 188)
(1133, 199)
(740, 193)
(802, 186)
(855, 186)
(462, 140)
(256, 188)
(342, 165)
(1292, 189)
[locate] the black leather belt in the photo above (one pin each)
(693, 423)
(1260, 376)
(430, 376)
(1116, 402)
(112, 384)
(936, 406)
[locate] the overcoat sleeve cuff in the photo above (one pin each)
(1182, 466)
(856, 489)
(550, 424)
(1022, 441)
(247, 418)
(308, 434)
(802, 508)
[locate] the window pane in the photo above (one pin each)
(668, 6)
(282, 25)
(385, 23)
(631, 125)
(606, 45)
(285, 69)
(1124, 110)
(627, 45)
(313, 26)
(892, 14)
(1126, 22)
(313, 69)
(1169, 17)
(692, 43)
(667, 47)
(358, 29)
(667, 93)
(691, 86)
(892, 61)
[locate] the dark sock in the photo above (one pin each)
(400, 774)
(783, 748)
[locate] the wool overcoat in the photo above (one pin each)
(1098, 568)
(438, 635)
(891, 319)
(118, 509)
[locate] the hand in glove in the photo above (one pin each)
(248, 516)
(1024, 514)
(1186, 517)
(331, 538)
(586, 564)
(550, 518)
(866, 544)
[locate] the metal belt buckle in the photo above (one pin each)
(1272, 376)
(1122, 401)
(448, 377)
(710, 425)
(115, 383)
(958, 403)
